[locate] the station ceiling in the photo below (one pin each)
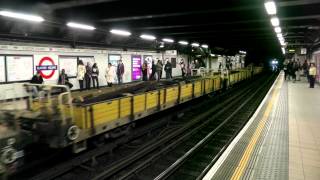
(229, 24)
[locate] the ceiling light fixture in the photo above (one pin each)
(80, 26)
(275, 21)
(279, 35)
(168, 40)
(270, 7)
(204, 46)
(22, 16)
(195, 44)
(148, 37)
(283, 50)
(120, 32)
(183, 42)
(277, 29)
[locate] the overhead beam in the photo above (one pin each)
(153, 16)
(297, 3)
(77, 3)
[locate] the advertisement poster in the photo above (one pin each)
(47, 65)
(2, 70)
(69, 64)
(19, 68)
(148, 59)
(87, 60)
(136, 67)
(113, 59)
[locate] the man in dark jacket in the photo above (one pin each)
(88, 75)
(168, 69)
(153, 71)
(120, 72)
(37, 79)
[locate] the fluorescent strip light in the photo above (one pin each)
(282, 43)
(195, 44)
(183, 42)
(168, 40)
(80, 26)
(292, 50)
(27, 17)
(279, 35)
(204, 46)
(277, 29)
(270, 7)
(147, 37)
(275, 21)
(213, 55)
(120, 32)
(283, 50)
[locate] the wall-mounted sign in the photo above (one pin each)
(136, 67)
(171, 52)
(19, 68)
(303, 50)
(86, 60)
(47, 65)
(2, 70)
(113, 59)
(69, 64)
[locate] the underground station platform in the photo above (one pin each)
(280, 141)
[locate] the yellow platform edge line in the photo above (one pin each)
(249, 149)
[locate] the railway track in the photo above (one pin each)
(114, 158)
(184, 154)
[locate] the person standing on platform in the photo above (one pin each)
(189, 70)
(312, 75)
(294, 71)
(144, 69)
(153, 71)
(289, 67)
(88, 76)
(120, 72)
(298, 72)
(305, 68)
(168, 69)
(159, 69)
(64, 80)
(183, 68)
(110, 74)
(95, 75)
(81, 73)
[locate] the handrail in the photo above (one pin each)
(49, 88)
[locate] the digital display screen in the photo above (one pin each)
(136, 67)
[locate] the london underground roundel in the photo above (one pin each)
(46, 67)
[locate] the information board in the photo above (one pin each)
(2, 70)
(69, 64)
(136, 67)
(174, 62)
(113, 59)
(19, 68)
(87, 60)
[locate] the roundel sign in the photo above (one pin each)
(46, 67)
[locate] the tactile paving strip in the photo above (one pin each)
(270, 157)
